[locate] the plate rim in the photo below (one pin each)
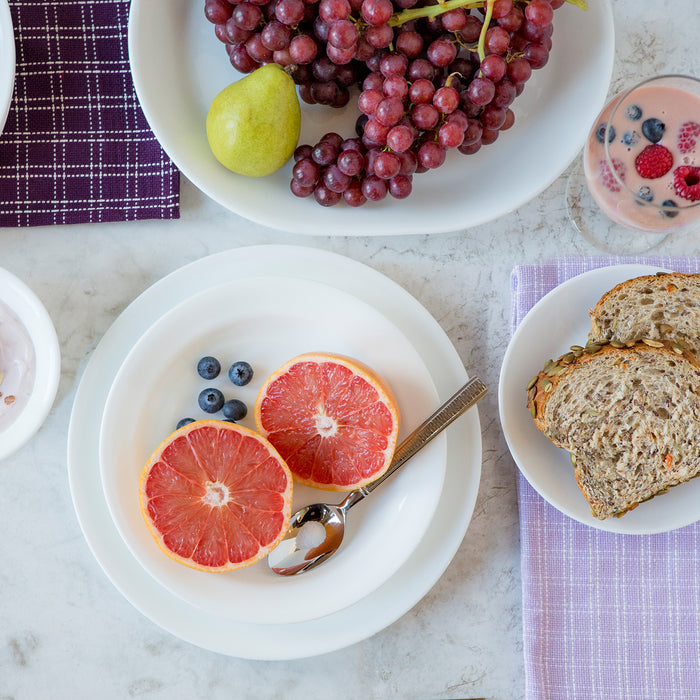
(335, 631)
(297, 587)
(358, 223)
(47, 353)
(8, 60)
(509, 418)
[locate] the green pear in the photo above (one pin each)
(253, 124)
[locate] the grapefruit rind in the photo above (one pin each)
(284, 510)
(315, 455)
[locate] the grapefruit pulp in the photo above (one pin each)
(333, 419)
(216, 496)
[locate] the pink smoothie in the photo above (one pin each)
(653, 114)
(17, 366)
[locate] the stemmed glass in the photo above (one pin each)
(638, 180)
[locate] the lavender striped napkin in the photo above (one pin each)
(76, 147)
(604, 615)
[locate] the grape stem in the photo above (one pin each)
(434, 10)
(484, 28)
(431, 11)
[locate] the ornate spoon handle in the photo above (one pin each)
(454, 407)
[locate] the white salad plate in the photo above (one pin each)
(7, 61)
(31, 312)
(560, 319)
(368, 615)
(179, 66)
(267, 321)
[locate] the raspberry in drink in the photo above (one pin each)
(642, 158)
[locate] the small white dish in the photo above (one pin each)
(179, 66)
(31, 312)
(560, 319)
(267, 321)
(7, 61)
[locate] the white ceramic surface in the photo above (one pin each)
(179, 66)
(557, 321)
(32, 313)
(267, 321)
(7, 61)
(275, 641)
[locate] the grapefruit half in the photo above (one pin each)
(216, 496)
(333, 419)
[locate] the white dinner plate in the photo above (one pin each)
(29, 309)
(179, 66)
(7, 61)
(560, 319)
(375, 611)
(267, 321)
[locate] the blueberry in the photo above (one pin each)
(653, 129)
(234, 410)
(240, 373)
(208, 367)
(184, 421)
(634, 112)
(630, 138)
(211, 400)
(600, 133)
(645, 193)
(668, 203)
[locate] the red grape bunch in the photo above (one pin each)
(433, 76)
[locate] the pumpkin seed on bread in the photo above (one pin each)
(629, 414)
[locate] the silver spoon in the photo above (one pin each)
(315, 532)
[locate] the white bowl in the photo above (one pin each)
(28, 307)
(7, 61)
(268, 320)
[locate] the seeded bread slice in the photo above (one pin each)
(665, 305)
(630, 417)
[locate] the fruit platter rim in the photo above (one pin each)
(559, 104)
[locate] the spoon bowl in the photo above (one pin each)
(316, 531)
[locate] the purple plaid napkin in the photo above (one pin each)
(76, 147)
(604, 615)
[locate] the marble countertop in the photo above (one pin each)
(67, 632)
